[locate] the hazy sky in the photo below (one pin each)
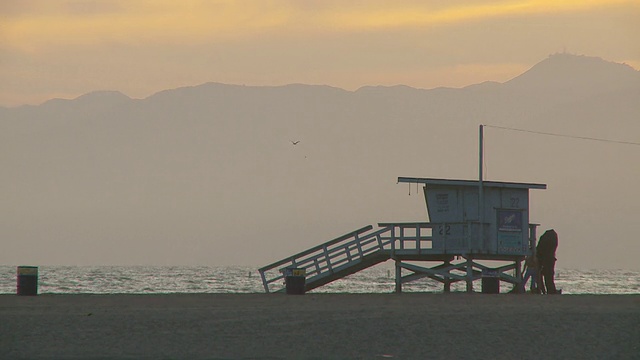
(56, 48)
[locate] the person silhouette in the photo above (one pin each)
(546, 254)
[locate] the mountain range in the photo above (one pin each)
(209, 174)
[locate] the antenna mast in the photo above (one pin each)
(480, 185)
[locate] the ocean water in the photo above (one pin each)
(243, 279)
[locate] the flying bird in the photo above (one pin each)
(295, 142)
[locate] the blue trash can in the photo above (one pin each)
(295, 280)
(27, 280)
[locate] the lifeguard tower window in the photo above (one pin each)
(453, 206)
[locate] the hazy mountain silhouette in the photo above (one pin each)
(565, 71)
(208, 175)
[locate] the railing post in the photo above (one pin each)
(398, 277)
(532, 236)
(393, 240)
(264, 282)
(359, 245)
(444, 237)
(326, 257)
(315, 262)
(468, 238)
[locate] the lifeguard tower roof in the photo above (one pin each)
(450, 182)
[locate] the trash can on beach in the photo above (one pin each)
(294, 279)
(490, 281)
(27, 280)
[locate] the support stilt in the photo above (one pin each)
(519, 286)
(447, 280)
(469, 274)
(398, 277)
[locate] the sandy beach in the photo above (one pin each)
(320, 326)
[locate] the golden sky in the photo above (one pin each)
(57, 48)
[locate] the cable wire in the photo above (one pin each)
(564, 135)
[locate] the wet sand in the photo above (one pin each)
(320, 326)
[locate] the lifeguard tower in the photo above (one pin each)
(471, 223)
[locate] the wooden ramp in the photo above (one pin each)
(354, 267)
(350, 253)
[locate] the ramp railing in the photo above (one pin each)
(328, 258)
(409, 237)
(350, 249)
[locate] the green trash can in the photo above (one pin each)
(294, 279)
(490, 281)
(27, 280)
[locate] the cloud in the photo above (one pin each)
(160, 21)
(80, 22)
(407, 14)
